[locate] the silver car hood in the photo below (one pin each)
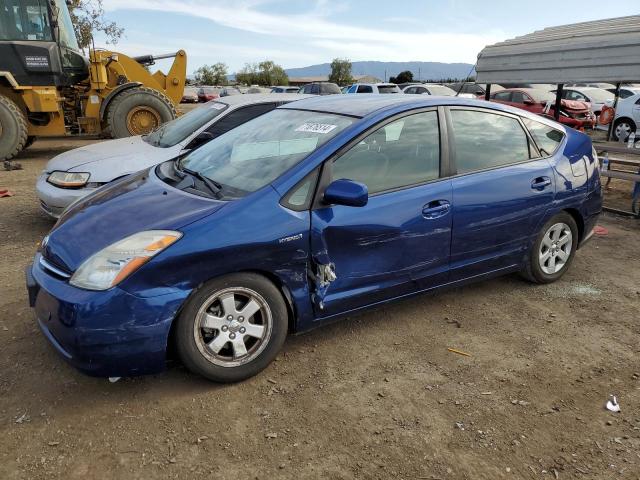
(111, 159)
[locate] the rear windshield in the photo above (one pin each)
(255, 153)
(441, 90)
(329, 88)
(388, 89)
(175, 131)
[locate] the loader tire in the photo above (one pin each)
(138, 111)
(13, 129)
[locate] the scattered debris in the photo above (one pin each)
(22, 418)
(459, 352)
(9, 165)
(271, 435)
(114, 379)
(271, 380)
(53, 444)
(460, 425)
(6, 193)
(600, 231)
(612, 404)
(453, 322)
(486, 393)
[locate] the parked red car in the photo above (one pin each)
(573, 113)
(206, 94)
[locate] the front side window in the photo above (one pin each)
(365, 89)
(175, 131)
(65, 27)
(547, 138)
(254, 154)
(28, 20)
(402, 153)
(485, 140)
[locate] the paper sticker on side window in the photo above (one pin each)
(315, 128)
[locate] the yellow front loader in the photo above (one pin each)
(48, 88)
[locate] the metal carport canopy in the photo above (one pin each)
(598, 51)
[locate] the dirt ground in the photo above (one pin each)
(377, 396)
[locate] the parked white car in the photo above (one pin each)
(76, 173)
(627, 118)
(374, 88)
(431, 89)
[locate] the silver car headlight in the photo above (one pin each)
(113, 264)
(68, 179)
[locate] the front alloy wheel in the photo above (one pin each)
(232, 327)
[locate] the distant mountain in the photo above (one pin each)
(420, 70)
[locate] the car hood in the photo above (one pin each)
(111, 159)
(133, 204)
(575, 105)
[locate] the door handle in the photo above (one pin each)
(540, 183)
(436, 209)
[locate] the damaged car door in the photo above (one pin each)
(397, 240)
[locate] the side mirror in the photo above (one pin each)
(346, 192)
(200, 139)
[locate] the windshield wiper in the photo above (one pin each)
(212, 185)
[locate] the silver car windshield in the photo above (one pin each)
(175, 131)
(254, 154)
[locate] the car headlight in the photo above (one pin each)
(68, 179)
(116, 262)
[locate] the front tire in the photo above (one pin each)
(138, 111)
(232, 327)
(553, 250)
(13, 129)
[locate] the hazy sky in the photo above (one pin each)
(299, 33)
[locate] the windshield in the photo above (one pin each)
(600, 96)
(27, 20)
(441, 90)
(175, 131)
(388, 89)
(254, 154)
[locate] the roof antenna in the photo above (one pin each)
(467, 79)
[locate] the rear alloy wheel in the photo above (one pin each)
(232, 328)
(553, 250)
(138, 111)
(13, 129)
(623, 129)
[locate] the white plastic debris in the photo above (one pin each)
(114, 379)
(612, 404)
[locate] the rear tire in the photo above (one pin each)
(138, 111)
(623, 128)
(13, 129)
(553, 250)
(232, 327)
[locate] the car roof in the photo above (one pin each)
(365, 104)
(253, 98)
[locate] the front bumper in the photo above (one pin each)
(53, 200)
(109, 333)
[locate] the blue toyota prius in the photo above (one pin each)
(316, 210)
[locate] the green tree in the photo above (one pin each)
(403, 77)
(87, 17)
(341, 71)
(264, 73)
(211, 74)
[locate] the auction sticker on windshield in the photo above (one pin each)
(315, 127)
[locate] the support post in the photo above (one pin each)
(487, 92)
(615, 105)
(556, 111)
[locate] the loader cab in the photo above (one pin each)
(38, 45)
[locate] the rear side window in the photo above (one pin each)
(365, 89)
(402, 153)
(388, 89)
(547, 138)
(238, 117)
(504, 96)
(485, 140)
